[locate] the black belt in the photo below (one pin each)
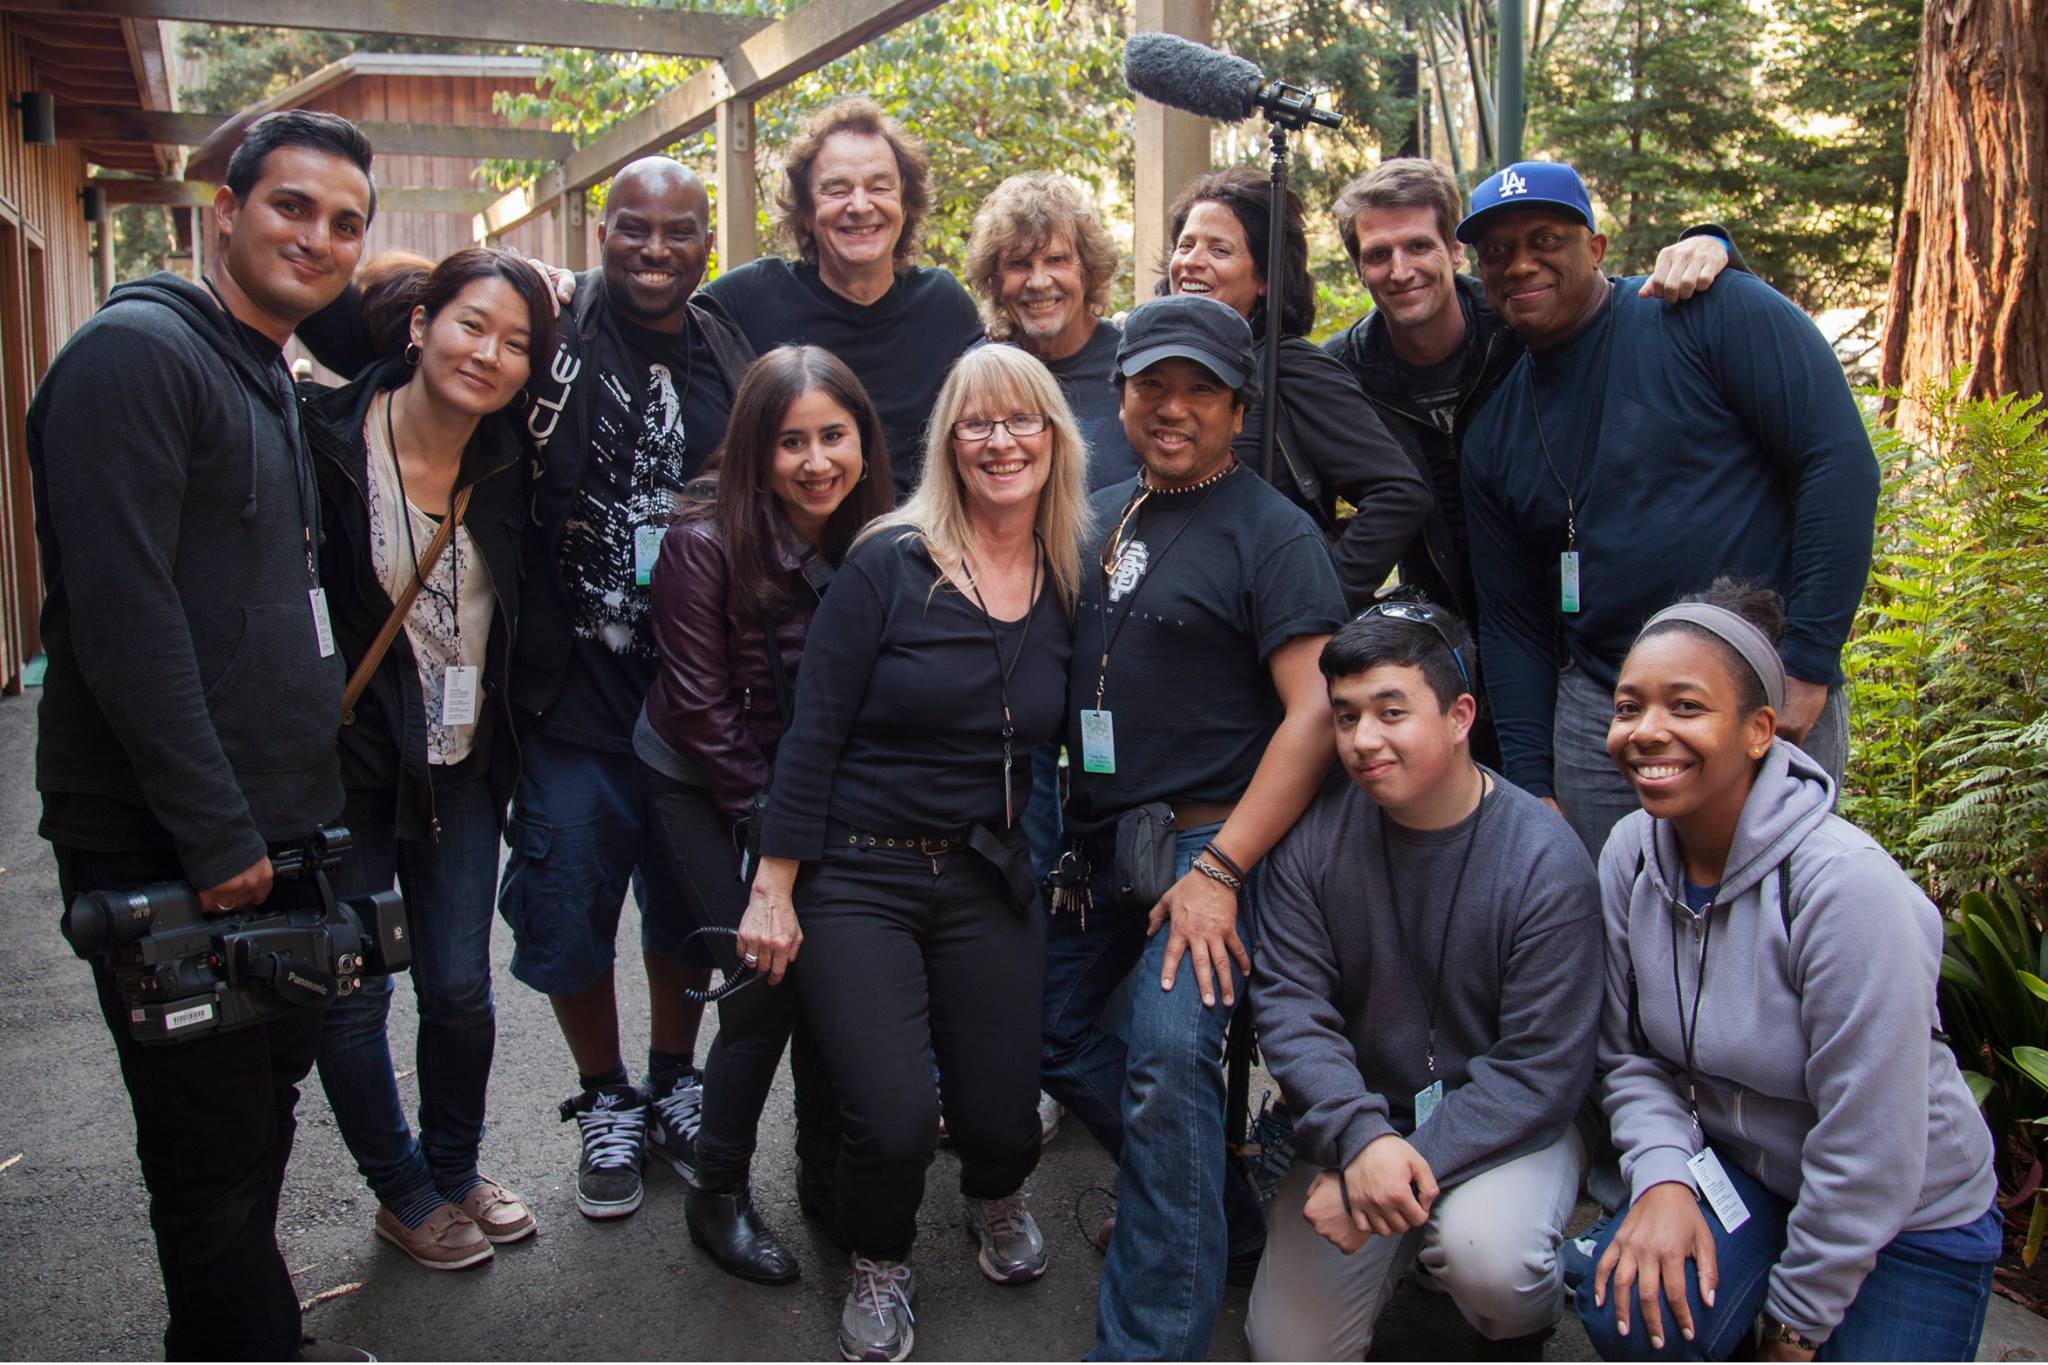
(932, 845)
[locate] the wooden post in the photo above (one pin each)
(575, 231)
(1173, 148)
(105, 231)
(739, 237)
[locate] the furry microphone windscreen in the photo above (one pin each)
(1189, 76)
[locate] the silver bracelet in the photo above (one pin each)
(1217, 874)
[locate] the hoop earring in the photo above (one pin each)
(863, 470)
(523, 400)
(412, 353)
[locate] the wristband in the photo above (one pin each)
(1217, 874)
(1774, 1330)
(1224, 860)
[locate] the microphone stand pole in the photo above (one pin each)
(1276, 275)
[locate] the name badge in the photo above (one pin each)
(458, 694)
(646, 549)
(1568, 581)
(1098, 743)
(1719, 1191)
(323, 629)
(1427, 1099)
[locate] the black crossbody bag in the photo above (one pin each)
(785, 709)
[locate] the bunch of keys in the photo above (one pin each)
(1066, 887)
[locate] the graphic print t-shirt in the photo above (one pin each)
(652, 432)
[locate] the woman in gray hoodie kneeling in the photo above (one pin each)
(1770, 997)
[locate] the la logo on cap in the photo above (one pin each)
(1510, 183)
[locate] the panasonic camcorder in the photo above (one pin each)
(184, 975)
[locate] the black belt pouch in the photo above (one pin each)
(1143, 870)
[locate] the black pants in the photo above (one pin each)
(213, 1130)
(755, 1023)
(906, 957)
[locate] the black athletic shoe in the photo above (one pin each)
(613, 1122)
(673, 1117)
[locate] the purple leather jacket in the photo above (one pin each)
(713, 700)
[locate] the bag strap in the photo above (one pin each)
(777, 670)
(366, 667)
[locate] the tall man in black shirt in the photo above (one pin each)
(187, 722)
(1195, 688)
(856, 188)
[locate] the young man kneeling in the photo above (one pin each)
(1424, 994)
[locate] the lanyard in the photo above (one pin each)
(1601, 365)
(301, 474)
(454, 595)
(1144, 493)
(1003, 670)
(1430, 1001)
(1689, 1032)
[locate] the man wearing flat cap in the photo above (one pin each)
(1634, 453)
(1198, 732)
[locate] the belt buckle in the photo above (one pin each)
(932, 848)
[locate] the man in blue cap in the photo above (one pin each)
(1199, 732)
(1634, 453)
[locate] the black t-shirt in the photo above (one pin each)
(1435, 391)
(899, 714)
(1211, 583)
(632, 476)
(900, 346)
(1085, 379)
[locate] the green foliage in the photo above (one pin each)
(1994, 1006)
(1948, 664)
(142, 241)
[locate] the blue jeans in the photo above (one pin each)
(1142, 1068)
(1913, 1305)
(448, 888)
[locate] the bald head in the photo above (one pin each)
(655, 236)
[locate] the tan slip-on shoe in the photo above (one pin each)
(499, 1214)
(448, 1240)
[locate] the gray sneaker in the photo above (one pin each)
(673, 1117)
(1012, 1250)
(878, 1322)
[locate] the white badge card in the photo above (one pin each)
(1719, 1191)
(1427, 1099)
(1098, 743)
(1568, 581)
(646, 549)
(323, 629)
(458, 695)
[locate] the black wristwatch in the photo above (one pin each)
(1773, 1330)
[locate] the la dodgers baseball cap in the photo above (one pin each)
(1527, 182)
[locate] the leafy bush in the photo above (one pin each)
(1948, 666)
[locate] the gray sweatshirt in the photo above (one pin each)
(1806, 1056)
(1342, 1007)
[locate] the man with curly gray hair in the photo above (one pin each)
(1040, 264)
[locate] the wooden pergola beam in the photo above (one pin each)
(790, 48)
(542, 23)
(199, 194)
(110, 123)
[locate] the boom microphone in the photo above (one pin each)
(1216, 85)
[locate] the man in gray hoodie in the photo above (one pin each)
(1428, 933)
(189, 713)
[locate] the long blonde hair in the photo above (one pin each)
(991, 377)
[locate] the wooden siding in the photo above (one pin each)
(46, 293)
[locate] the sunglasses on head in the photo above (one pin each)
(1421, 614)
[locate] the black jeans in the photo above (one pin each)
(754, 1024)
(213, 1130)
(907, 957)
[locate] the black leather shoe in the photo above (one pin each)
(727, 1226)
(818, 1197)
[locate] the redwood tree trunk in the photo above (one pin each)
(1969, 284)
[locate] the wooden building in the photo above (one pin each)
(47, 285)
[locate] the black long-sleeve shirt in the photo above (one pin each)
(899, 714)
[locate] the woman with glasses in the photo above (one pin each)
(803, 467)
(893, 855)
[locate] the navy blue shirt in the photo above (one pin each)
(1728, 443)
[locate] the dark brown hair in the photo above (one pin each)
(1249, 195)
(397, 282)
(745, 459)
(854, 114)
(1401, 182)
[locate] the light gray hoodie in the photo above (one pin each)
(1807, 1050)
